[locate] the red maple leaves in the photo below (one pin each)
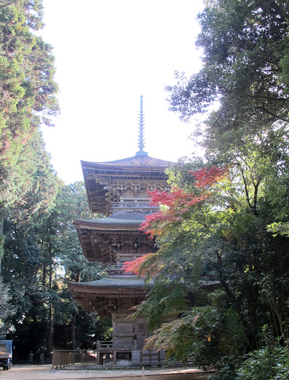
(134, 266)
(178, 202)
(176, 206)
(207, 177)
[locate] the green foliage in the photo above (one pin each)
(243, 48)
(91, 328)
(29, 187)
(204, 335)
(42, 253)
(226, 369)
(6, 310)
(166, 302)
(72, 204)
(223, 240)
(27, 93)
(265, 363)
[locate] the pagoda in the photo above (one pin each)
(118, 190)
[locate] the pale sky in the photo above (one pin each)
(108, 53)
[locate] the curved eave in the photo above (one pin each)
(112, 287)
(113, 226)
(134, 162)
(111, 292)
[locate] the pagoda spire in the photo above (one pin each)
(141, 143)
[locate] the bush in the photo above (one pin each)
(266, 363)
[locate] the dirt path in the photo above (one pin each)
(45, 372)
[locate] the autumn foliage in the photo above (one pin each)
(134, 266)
(176, 206)
(207, 177)
(178, 202)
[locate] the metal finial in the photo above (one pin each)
(141, 143)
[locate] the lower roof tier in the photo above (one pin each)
(110, 294)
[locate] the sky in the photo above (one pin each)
(107, 54)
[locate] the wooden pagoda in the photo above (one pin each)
(118, 190)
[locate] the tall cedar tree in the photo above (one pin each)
(27, 93)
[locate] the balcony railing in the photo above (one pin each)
(136, 204)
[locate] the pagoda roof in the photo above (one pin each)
(121, 220)
(131, 162)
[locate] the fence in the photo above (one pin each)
(77, 357)
(107, 353)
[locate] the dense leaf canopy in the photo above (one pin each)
(243, 44)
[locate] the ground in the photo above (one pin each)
(45, 372)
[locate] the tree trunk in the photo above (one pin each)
(50, 317)
(2, 214)
(50, 330)
(74, 331)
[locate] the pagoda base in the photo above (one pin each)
(107, 354)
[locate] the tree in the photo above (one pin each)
(27, 86)
(243, 65)
(71, 204)
(42, 253)
(27, 98)
(6, 309)
(27, 209)
(29, 187)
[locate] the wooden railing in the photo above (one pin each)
(104, 344)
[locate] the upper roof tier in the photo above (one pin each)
(105, 181)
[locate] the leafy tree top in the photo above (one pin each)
(245, 53)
